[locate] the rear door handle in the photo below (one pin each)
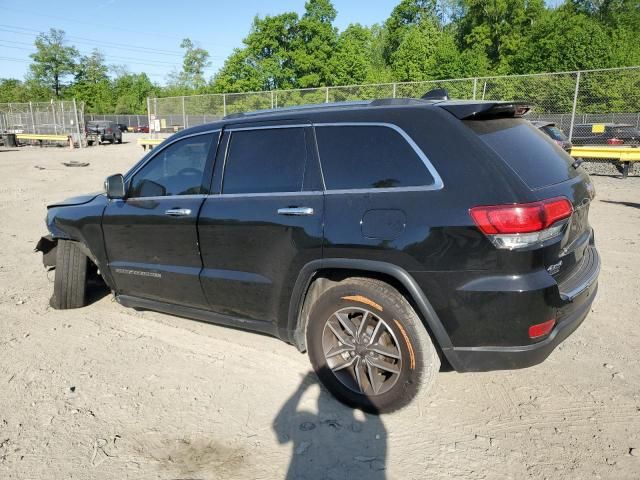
(178, 212)
(296, 211)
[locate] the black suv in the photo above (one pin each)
(103, 131)
(605, 134)
(381, 237)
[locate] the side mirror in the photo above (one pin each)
(114, 186)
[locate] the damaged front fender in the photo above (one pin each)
(47, 245)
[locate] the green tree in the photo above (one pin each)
(194, 63)
(563, 41)
(404, 18)
(92, 84)
(266, 61)
(13, 90)
(414, 59)
(53, 60)
(314, 44)
(499, 26)
(351, 63)
(131, 91)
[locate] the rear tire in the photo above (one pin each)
(390, 358)
(70, 285)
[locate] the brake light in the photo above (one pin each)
(108, 130)
(615, 141)
(522, 225)
(541, 329)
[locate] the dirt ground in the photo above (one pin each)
(106, 392)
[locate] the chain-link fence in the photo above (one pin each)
(567, 98)
(44, 118)
(131, 121)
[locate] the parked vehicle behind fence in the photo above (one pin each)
(383, 238)
(100, 131)
(552, 131)
(614, 134)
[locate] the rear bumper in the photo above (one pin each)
(483, 359)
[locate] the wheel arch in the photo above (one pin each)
(316, 276)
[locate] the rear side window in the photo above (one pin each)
(265, 161)
(537, 160)
(369, 156)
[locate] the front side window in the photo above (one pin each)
(176, 170)
(265, 161)
(369, 156)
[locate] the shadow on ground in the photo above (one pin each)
(626, 204)
(332, 440)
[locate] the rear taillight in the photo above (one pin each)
(542, 329)
(108, 130)
(615, 141)
(522, 225)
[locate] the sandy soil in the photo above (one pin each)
(110, 393)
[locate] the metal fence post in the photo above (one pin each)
(33, 120)
(149, 112)
(475, 87)
(272, 100)
(395, 90)
(575, 104)
(75, 112)
(224, 104)
(184, 115)
(326, 97)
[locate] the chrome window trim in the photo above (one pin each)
(149, 199)
(269, 194)
(156, 151)
(437, 180)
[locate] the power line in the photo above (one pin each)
(89, 41)
(114, 57)
(84, 22)
(32, 32)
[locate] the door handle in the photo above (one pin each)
(296, 211)
(178, 212)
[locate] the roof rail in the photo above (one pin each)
(311, 106)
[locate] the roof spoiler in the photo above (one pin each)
(485, 110)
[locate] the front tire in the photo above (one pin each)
(369, 347)
(70, 285)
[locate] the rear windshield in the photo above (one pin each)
(537, 159)
(555, 133)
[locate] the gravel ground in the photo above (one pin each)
(110, 393)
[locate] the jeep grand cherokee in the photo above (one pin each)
(382, 238)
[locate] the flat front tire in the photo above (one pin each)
(70, 285)
(369, 347)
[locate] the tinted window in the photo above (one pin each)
(355, 157)
(555, 133)
(176, 170)
(532, 155)
(264, 161)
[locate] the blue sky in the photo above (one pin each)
(145, 36)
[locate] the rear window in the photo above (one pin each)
(555, 133)
(368, 156)
(537, 159)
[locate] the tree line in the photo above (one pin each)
(421, 40)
